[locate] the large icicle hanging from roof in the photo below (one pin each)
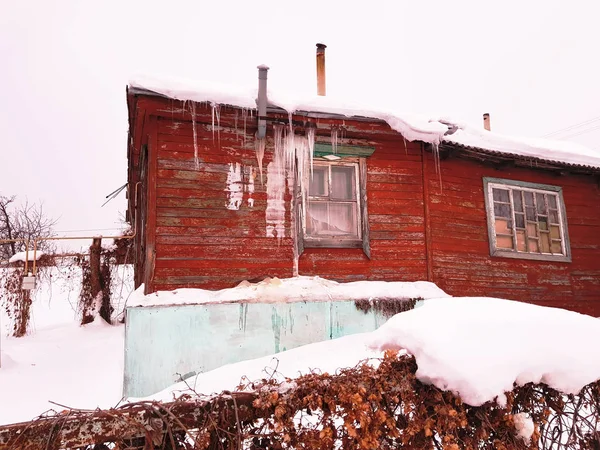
(216, 113)
(276, 180)
(259, 148)
(291, 154)
(310, 136)
(334, 139)
(195, 134)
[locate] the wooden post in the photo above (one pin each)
(95, 277)
(90, 307)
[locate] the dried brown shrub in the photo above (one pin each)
(376, 405)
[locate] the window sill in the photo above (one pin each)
(531, 256)
(333, 243)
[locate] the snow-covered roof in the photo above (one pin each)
(23, 256)
(412, 126)
(287, 290)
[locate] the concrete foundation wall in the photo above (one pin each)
(165, 343)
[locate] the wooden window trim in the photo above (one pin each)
(510, 185)
(359, 165)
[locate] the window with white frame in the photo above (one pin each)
(526, 220)
(333, 206)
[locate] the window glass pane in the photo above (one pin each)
(553, 216)
(500, 195)
(552, 201)
(555, 232)
(518, 201)
(531, 230)
(316, 219)
(530, 213)
(501, 210)
(521, 241)
(533, 246)
(543, 223)
(342, 217)
(556, 247)
(528, 198)
(519, 220)
(545, 242)
(503, 226)
(504, 241)
(342, 182)
(541, 204)
(318, 182)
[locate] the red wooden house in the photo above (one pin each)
(226, 190)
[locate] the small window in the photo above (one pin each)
(335, 213)
(526, 220)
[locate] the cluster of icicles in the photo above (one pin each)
(292, 156)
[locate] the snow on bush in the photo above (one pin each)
(479, 348)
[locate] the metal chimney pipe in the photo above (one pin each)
(486, 121)
(321, 69)
(262, 101)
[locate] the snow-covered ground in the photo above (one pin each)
(476, 347)
(80, 367)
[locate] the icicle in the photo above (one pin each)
(218, 114)
(259, 148)
(405, 147)
(195, 134)
(244, 117)
(213, 120)
(275, 211)
(436, 158)
(291, 123)
(334, 139)
(235, 125)
(310, 136)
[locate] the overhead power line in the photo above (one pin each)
(588, 130)
(569, 128)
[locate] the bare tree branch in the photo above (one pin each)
(23, 221)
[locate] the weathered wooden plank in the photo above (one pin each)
(150, 228)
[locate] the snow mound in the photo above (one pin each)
(413, 127)
(478, 347)
(25, 256)
(296, 289)
(524, 426)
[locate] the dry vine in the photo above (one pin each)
(375, 405)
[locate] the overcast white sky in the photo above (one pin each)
(64, 65)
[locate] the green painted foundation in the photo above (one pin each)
(164, 344)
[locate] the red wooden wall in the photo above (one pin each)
(419, 230)
(462, 264)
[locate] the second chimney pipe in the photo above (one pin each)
(262, 101)
(321, 69)
(486, 121)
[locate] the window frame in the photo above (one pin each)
(330, 241)
(500, 183)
